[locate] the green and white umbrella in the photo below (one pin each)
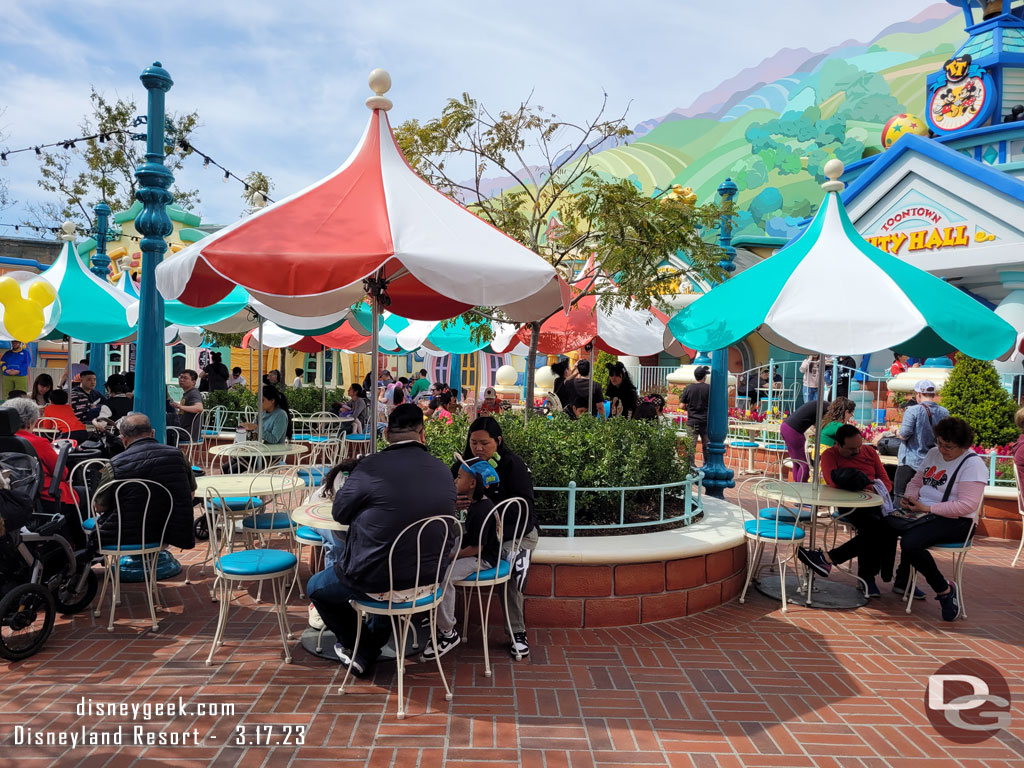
(91, 309)
(832, 292)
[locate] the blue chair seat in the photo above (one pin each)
(383, 604)
(773, 529)
(950, 545)
(785, 515)
(89, 524)
(238, 503)
(314, 475)
(198, 471)
(115, 548)
(362, 437)
(256, 562)
(306, 533)
(744, 444)
(775, 446)
(268, 521)
(503, 569)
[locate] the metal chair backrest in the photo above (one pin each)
(247, 457)
(768, 493)
(52, 428)
(88, 472)
(509, 515)
(1020, 491)
(285, 489)
(124, 501)
(178, 437)
(220, 521)
(449, 533)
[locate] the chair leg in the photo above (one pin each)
(485, 612)
(149, 580)
(1019, 549)
(437, 656)
(401, 635)
(222, 620)
(911, 587)
(753, 560)
(958, 579)
(466, 600)
(103, 590)
(782, 580)
(277, 585)
(508, 619)
(355, 647)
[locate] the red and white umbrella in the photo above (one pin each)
(372, 218)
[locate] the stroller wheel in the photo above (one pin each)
(26, 620)
(201, 528)
(69, 601)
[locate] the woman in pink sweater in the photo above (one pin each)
(949, 485)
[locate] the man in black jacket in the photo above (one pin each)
(385, 493)
(146, 459)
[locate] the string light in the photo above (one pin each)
(3, 158)
(227, 175)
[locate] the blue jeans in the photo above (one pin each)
(331, 597)
(810, 393)
(333, 547)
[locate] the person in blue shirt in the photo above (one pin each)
(917, 433)
(15, 364)
(275, 417)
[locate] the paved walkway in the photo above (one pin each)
(741, 685)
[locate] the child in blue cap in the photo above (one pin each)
(481, 552)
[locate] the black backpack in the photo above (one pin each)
(19, 501)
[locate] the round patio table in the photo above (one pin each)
(823, 593)
(248, 484)
(282, 449)
(317, 514)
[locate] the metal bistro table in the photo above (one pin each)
(282, 449)
(317, 514)
(823, 593)
(757, 431)
(255, 484)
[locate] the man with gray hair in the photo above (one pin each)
(146, 459)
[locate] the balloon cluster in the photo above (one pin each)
(24, 318)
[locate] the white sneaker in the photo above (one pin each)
(314, 618)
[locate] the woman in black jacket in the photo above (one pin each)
(620, 387)
(514, 480)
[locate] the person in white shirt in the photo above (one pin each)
(297, 383)
(236, 378)
(949, 486)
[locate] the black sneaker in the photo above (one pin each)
(901, 590)
(443, 644)
(873, 590)
(347, 660)
(950, 605)
(815, 560)
(519, 648)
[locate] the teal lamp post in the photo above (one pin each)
(154, 225)
(101, 268)
(717, 476)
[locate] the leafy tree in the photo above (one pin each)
(973, 392)
(766, 201)
(256, 192)
(5, 195)
(549, 162)
(109, 164)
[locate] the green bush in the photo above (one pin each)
(973, 392)
(591, 452)
(305, 400)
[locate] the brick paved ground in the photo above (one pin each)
(741, 685)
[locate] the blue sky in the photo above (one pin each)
(279, 85)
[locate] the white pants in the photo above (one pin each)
(461, 568)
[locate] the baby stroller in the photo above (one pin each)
(45, 558)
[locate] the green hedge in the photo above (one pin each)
(974, 393)
(305, 400)
(594, 453)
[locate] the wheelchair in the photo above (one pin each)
(45, 556)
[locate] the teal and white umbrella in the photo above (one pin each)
(831, 292)
(91, 309)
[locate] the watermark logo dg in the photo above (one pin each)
(968, 701)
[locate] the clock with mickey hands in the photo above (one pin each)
(962, 97)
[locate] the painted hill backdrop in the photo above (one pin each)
(771, 128)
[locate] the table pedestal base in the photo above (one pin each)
(389, 654)
(826, 594)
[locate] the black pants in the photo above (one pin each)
(904, 474)
(872, 545)
(700, 429)
(914, 545)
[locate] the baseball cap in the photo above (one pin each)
(479, 467)
(490, 392)
(925, 387)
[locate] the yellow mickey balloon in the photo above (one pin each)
(42, 293)
(24, 318)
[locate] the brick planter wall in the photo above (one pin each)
(1000, 519)
(575, 596)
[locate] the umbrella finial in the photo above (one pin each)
(67, 231)
(833, 170)
(380, 83)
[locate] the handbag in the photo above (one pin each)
(900, 521)
(888, 446)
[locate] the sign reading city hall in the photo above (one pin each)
(917, 223)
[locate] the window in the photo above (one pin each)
(470, 370)
(178, 363)
(440, 368)
(312, 363)
(329, 369)
(114, 358)
(494, 362)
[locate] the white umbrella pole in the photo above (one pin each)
(323, 377)
(259, 386)
(374, 373)
(816, 478)
(68, 373)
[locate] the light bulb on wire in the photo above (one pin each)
(226, 177)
